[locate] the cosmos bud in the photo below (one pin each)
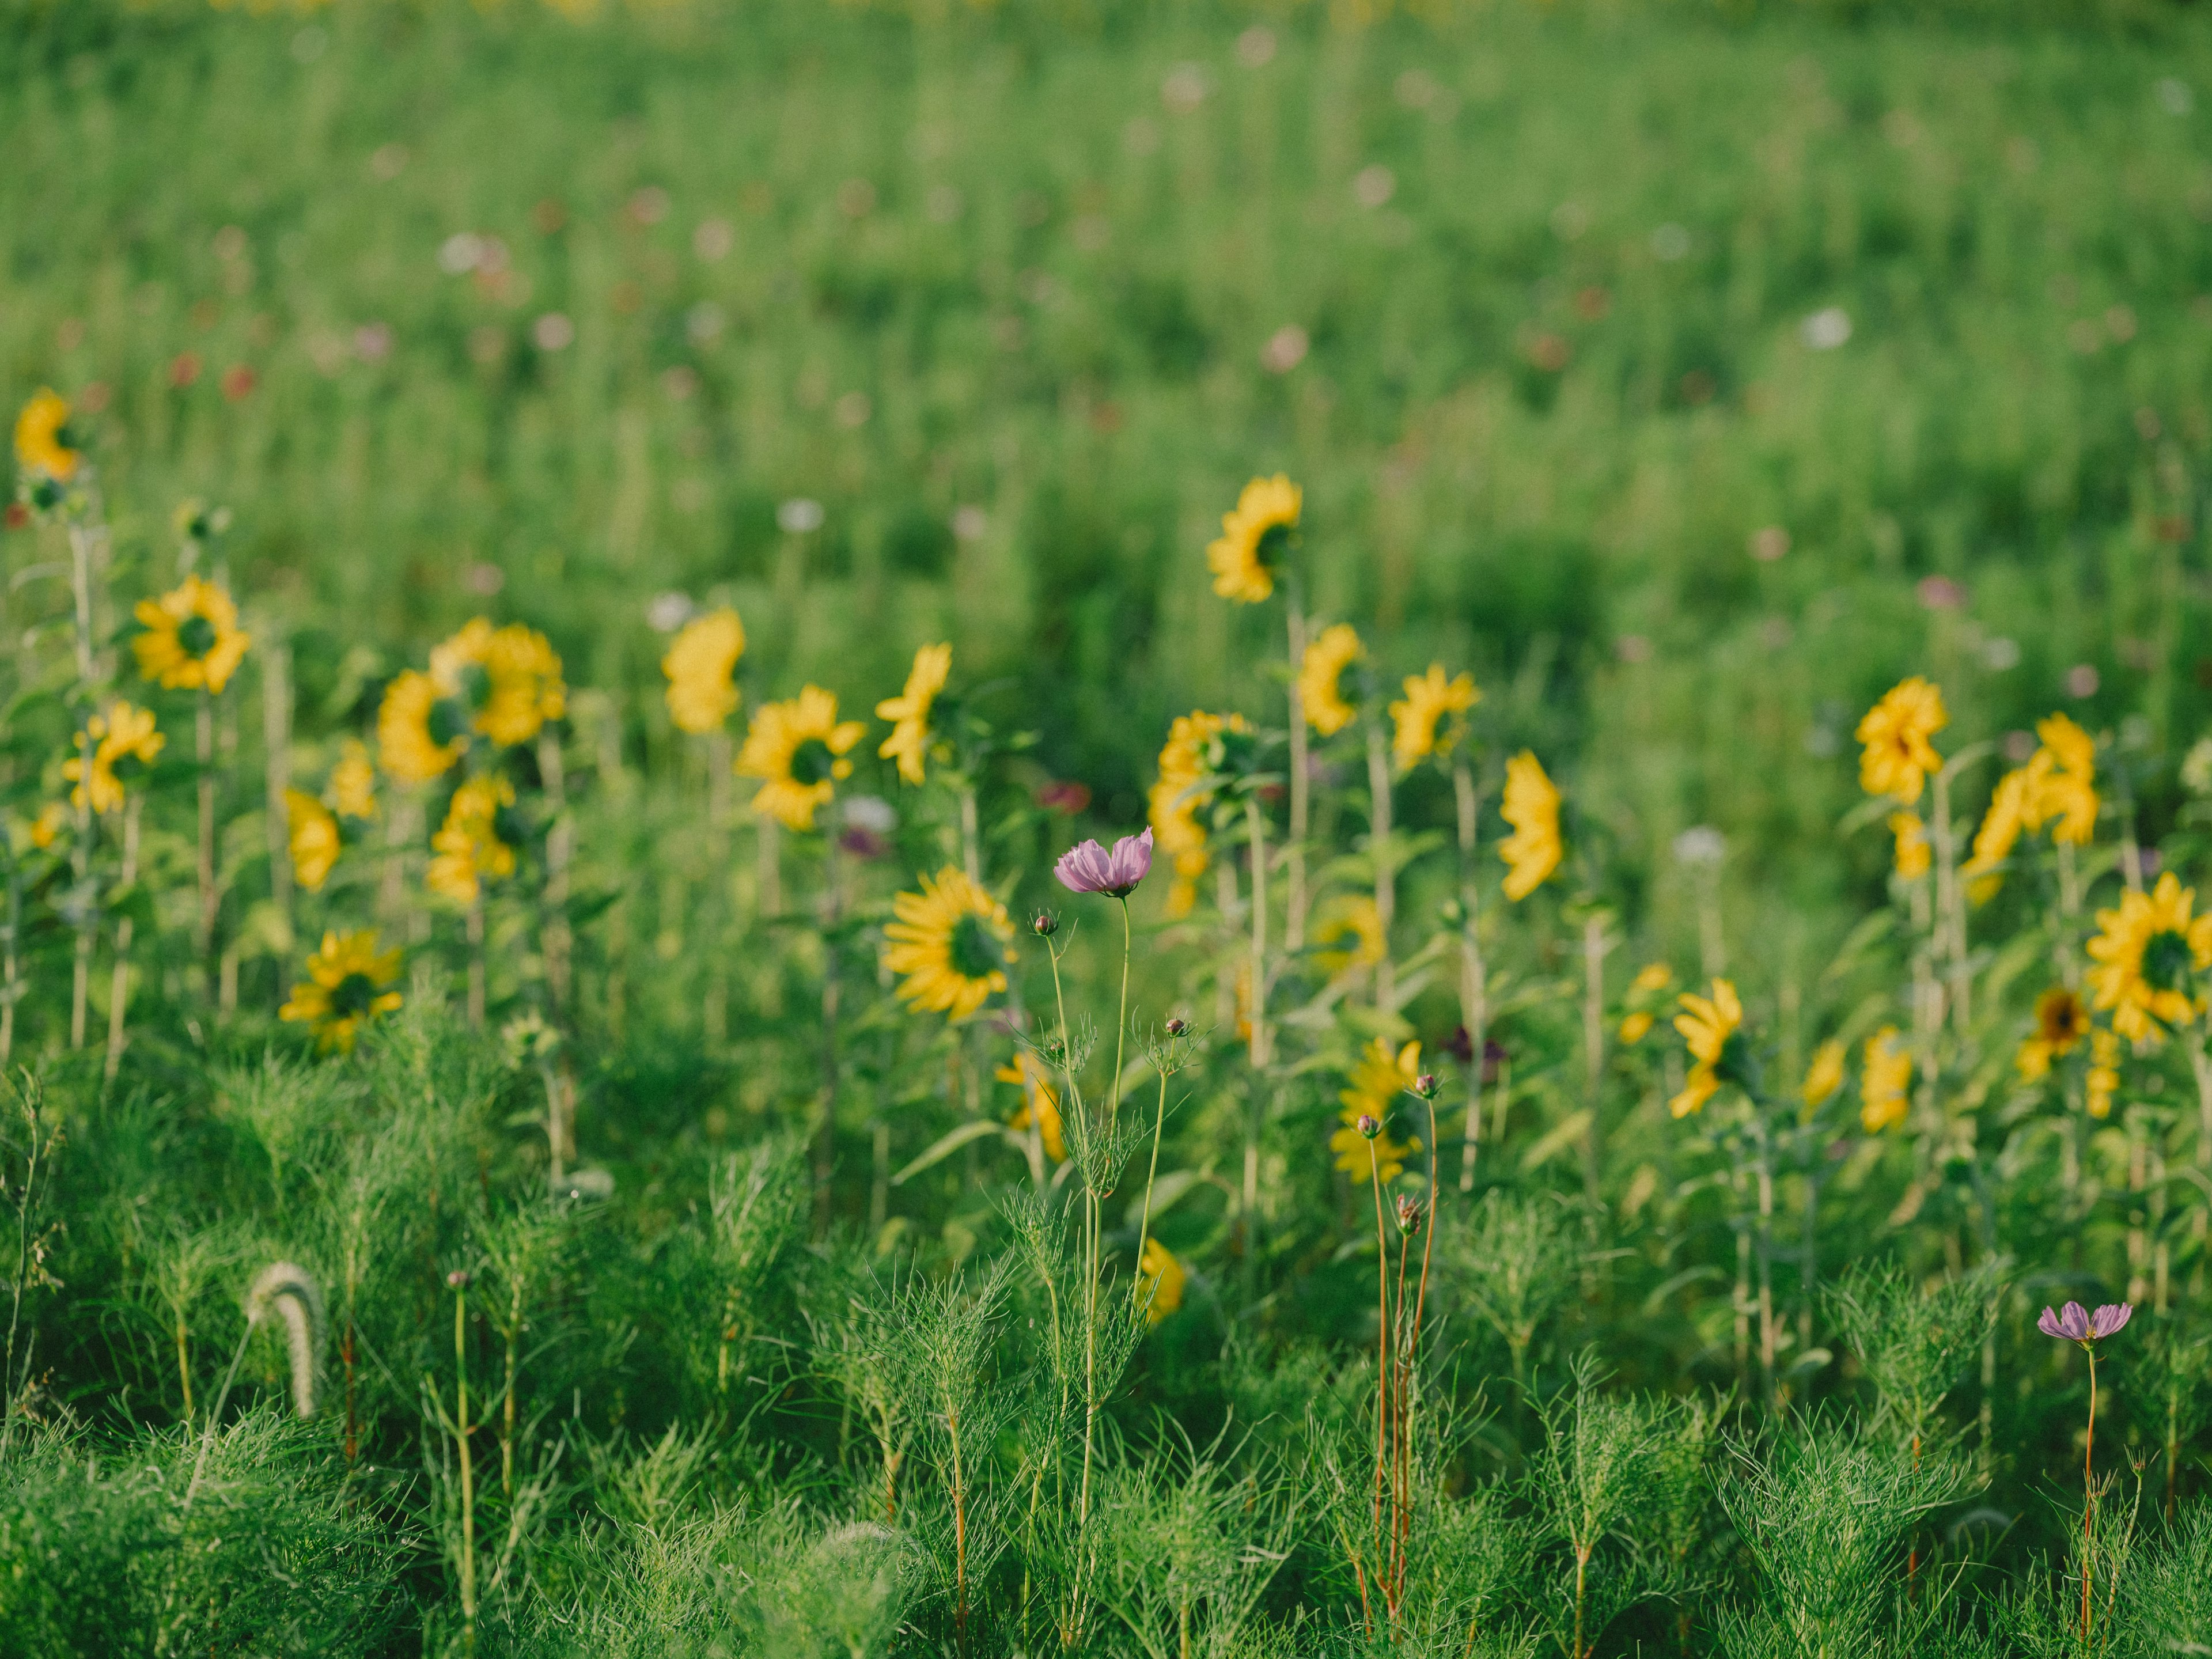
(1369, 1125)
(1044, 923)
(458, 1279)
(1426, 1085)
(1178, 1026)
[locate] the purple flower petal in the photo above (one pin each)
(2070, 1325)
(1090, 868)
(1082, 868)
(2110, 1317)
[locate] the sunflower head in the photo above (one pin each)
(1886, 1073)
(1040, 1102)
(797, 749)
(1321, 677)
(1824, 1076)
(951, 941)
(476, 841)
(352, 792)
(503, 683)
(1254, 539)
(190, 637)
(314, 839)
(1165, 1276)
(2149, 955)
(347, 986)
(45, 448)
(1427, 722)
(1381, 1075)
(419, 733)
(1711, 1026)
(909, 712)
(1533, 851)
(1198, 747)
(1913, 857)
(1897, 755)
(113, 749)
(702, 667)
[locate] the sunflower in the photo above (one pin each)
(1911, 835)
(470, 847)
(1357, 922)
(2148, 956)
(344, 989)
(1532, 852)
(419, 734)
(47, 829)
(2103, 1080)
(797, 749)
(1709, 1026)
(1824, 1076)
(1377, 1082)
(1320, 672)
(1651, 976)
(314, 839)
(1898, 755)
(2014, 805)
(908, 712)
(1035, 1081)
(2069, 791)
(45, 446)
(191, 638)
(352, 791)
(1254, 539)
(111, 749)
(1430, 698)
(1635, 1026)
(950, 940)
(506, 680)
(2061, 1022)
(1165, 1275)
(701, 667)
(1885, 1072)
(1186, 761)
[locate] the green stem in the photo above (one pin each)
(1144, 1226)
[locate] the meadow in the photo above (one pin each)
(578, 578)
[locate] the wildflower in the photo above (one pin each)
(344, 989)
(797, 749)
(1652, 976)
(313, 835)
(1912, 857)
(1430, 698)
(1087, 867)
(111, 749)
(1824, 1076)
(1165, 1275)
(470, 848)
(1379, 1078)
(419, 735)
(1063, 796)
(45, 446)
(1532, 852)
(950, 940)
(1253, 539)
(1634, 1027)
(1409, 1213)
(190, 637)
(1044, 923)
(2078, 1324)
(2061, 1022)
(2148, 956)
(2015, 806)
(908, 712)
(2069, 793)
(46, 828)
(507, 680)
(1357, 919)
(701, 666)
(1425, 1087)
(1710, 1026)
(1897, 754)
(1320, 673)
(1886, 1074)
(352, 792)
(1178, 1026)
(1178, 796)
(1026, 1073)
(2103, 1080)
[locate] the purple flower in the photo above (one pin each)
(1090, 868)
(2077, 1324)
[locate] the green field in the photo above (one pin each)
(670, 1283)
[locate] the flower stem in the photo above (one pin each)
(1159, 1123)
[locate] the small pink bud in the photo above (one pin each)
(1369, 1125)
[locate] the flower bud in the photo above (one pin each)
(458, 1279)
(1178, 1026)
(1409, 1213)
(1044, 923)
(1426, 1085)
(1369, 1125)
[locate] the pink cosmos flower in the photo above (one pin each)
(1090, 868)
(2077, 1324)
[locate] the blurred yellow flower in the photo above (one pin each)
(1429, 699)
(2061, 1022)
(2148, 954)
(1176, 799)
(1321, 674)
(1651, 976)
(506, 680)
(1706, 1024)
(1165, 1276)
(110, 749)
(2013, 806)
(1824, 1076)
(701, 665)
(44, 447)
(908, 712)
(797, 749)
(2069, 793)
(313, 834)
(1897, 754)
(1885, 1072)
(951, 942)
(191, 637)
(1532, 852)
(1380, 1077)
(46, 828)
(1635, 1027)
(1253, 539)
(419, 734)
(346, 988)
(352, 792)
(2103, 1080)
(468, 850)
(1026, 1073)
(1353, 917)
(1912, 856)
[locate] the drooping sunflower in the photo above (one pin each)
(701, 667)
(2148, 956)
(1824, 1076)
(951, 941)
(1422, 728)
(344, 989)
(1885, 1075)
(1178, 797)
(1381, 1075)
(1711, 1026)
(470, 848)
(1026, 1073)
(2061, 1022)
(352, 791)
(1165, 1275)
(313, 835)
(45, 446)
(1532, 852)
(1912, 857)
(1353, 924)
(1897, 754)
(797, 749)
(507, 680)
(1253, 539)
(1321, 674)
(908, 712)
(111, 749)
(191, 638)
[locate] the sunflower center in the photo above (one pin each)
(1738, 1064)
(1275, 542)
(2167, 961)
(2061, 1021)
(351, 996)
(449, 720)
(195, 635)
(507, 826)
(475, 685)
(975, 953)
(811, 762)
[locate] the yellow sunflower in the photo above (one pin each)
(1176, 799)
(1254, 539)
(950, 940)
(1897, 754)
(1165, 1275)
(191, 638)
(344, 989)
(1651, 976)
(1354, 925)
(2061, 1022)
(1885, 1072)
(1824, 1076)
(1635, 1026)
(1707, 1024)
(419, 734)
(1912, 854)
(111, 749)
(1027, 1074)
(505, 680)
(1532, 852)
(2103, 1080)
(797, 749)
(2148, 954)
(47, 829)
(45, 448)
(908, 712)
(1430, 698)
(2014, 805)
(702, 667)
(2069, 791)
(468, 848)
(1319, 675)
(1377, 1082)
(314, 839)
(352, 792)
